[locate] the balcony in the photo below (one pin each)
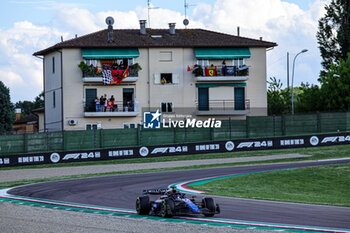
(119, 109)
(92, 76)
(223, 107)
(216, 73)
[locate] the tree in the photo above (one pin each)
(6, 117)
(308, 100)
(28, 106)
(333, 34)
(335, 87)
(278, 100)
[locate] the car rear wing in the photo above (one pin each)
(154, 191)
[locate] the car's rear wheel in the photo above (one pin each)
(167, 208)
(143, 205)
(209, 203)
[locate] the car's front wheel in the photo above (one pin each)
(167, 208)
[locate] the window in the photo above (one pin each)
(166, 106)
(54, 99)
(165, 56)
(92, 126)
(53, 65)
(166, 78)
(129, 125)
(130, 61)
(238, 62)
(91, 62)
(203, 63)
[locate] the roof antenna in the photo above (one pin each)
(150, 8)
(110, 22)
(186, 21)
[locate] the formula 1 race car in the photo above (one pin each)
(170, 202)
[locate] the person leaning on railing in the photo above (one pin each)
(223, 69)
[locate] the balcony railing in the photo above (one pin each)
(96, 77)
(223, 107)
(218, 73)
(119, 109)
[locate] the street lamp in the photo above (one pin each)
(302, 51)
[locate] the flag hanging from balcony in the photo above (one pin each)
(193, 68)
(125, 74)
(107, 76)
(210, 71)
(111, 77)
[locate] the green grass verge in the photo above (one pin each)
(327, 185)
(316, 152)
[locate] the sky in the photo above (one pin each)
(27, 26)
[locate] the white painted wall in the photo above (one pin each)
(256, 88)
(52, 86)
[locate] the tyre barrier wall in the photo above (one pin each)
(238, 145)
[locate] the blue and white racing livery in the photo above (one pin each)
(170, 202)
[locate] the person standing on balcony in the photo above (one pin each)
(105, 102)
(97, 102)
(102, 104)
(111, 104)
(223, 69)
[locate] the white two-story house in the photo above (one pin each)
(230, 80)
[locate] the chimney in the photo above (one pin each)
(18, 113)
(143, 27)
(172, 28)
(238, 31)
(110, 33)
(260, 37)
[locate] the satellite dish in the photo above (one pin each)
(109, 21)
(186, 22)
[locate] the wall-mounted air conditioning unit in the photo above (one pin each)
(72, 122)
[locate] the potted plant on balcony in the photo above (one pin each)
(137, 66)
(88, 71)
(199, 71)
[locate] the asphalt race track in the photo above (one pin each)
(121, 191)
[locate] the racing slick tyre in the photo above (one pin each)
(143, 205)
(218, 208)
(167, 208)
(209, 203)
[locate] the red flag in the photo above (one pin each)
(210, 71)
(110, 104)
(124, 75)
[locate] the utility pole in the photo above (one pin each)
(288, 71)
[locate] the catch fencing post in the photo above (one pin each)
(229, 126)
(140, 135)
(47, 141)
(25, 143)
(283, 124)
(95, 138)
(318, 121)
(274, 125)
(247, 126)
